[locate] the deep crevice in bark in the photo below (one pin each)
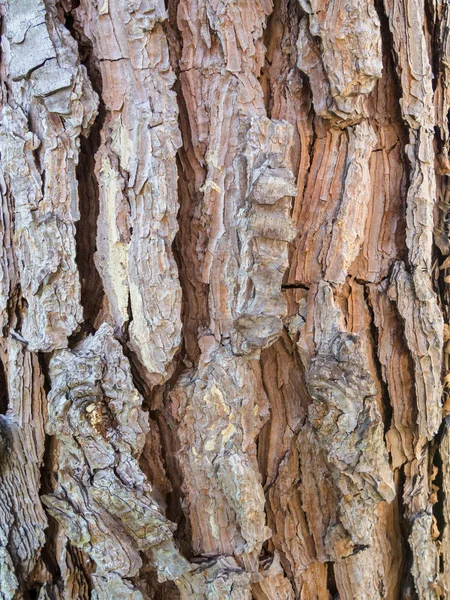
(194, 291)
(442, 520)
(4, 396)
(169, 449)
(195, 311)
(295, 286)
(78, 560)
(331, 581)
(386, 403)
(86, 228)
(48, 552)
(389, 55)
(435, 43)
(407, 589)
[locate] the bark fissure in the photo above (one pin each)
(86, 229)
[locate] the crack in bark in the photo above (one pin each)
(92, 291)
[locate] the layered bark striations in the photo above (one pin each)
(224, 302)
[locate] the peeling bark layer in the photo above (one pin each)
(224, 302)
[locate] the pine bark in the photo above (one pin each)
(224, 300)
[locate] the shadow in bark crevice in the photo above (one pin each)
(375, 345)
(4, 395)
(407, 588)
(92, 291)
(331, 581)
(442, 520)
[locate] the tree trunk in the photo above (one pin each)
(224, 299)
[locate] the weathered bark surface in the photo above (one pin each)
(224, 299)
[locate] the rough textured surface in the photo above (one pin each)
(49, 89)
(224, 301)
(346, 420)
(339, 48)
(137, 177)
(221, 409)
(102, 498)
(23, 521)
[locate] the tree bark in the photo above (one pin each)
(224, 299)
